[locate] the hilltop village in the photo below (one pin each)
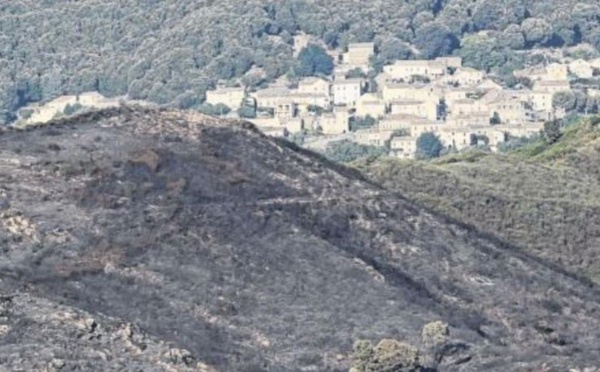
(461, 105)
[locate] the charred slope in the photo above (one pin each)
(251, 254)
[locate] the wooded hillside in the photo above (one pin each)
(171, 52)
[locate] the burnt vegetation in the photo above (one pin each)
(244, 253)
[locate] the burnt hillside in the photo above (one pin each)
(152, 239)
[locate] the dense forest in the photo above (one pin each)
(172, 52)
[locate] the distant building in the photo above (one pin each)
(230, 97)
(582, 69)
(425, 109)
(551, 86)
(399, 122)
(404, 147)
(466, 76)
(347, 92)
(359, 54)
(371, 105)
(404, 70)
(336, 122)
(450, 62)
(313, 85)
(372, 137)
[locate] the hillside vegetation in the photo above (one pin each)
(172, 52)
(166, 240)
(543, 198)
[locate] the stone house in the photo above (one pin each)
(466, 106)
(470, 120)
(404, 147)
(372, 137)
(419, 92)
(521, 130)
(359, 54)
(404, 70)
(466, 76)
(347, 92)
(293, 125)
(303, 101)
(551, 86)
(370, 104)
(488, 85)
(456, 94)
(425, 109)
(540, 102)
(557, 71)
(582, 69)
(553, 71)
(417, 129)
(230, 97)
(450, 62)
(336, 122)
(316, 86)
(398, 122)
(460, 137)
(508, 105)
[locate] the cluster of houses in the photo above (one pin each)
(459, 104)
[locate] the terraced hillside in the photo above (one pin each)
(163, 240)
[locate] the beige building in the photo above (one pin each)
(460, 137)
(557, 71)
(404, 147)
(370, 104)
(466, 106)
(425, 109)
(316, 86)
(336, 122)
(582, 69)
(539, 101)
(473, 119)
(402, 91)
(466, 76)
(303, 101)
(508, 105)
(551, 72)
(456, 94)
(230, 97)
(399, 121)
(404, 70)
(417, 129)
(359, 54)
(293, 125)
(372, 137)
(450, 62)
(488, 85)
(347, 92)
(551, 86)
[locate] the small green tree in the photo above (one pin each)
(428, 146)
(246, 112)
(356, 73)
(314, 60)
(345, 151)
(495, 119)
(71, 109)
(221, 109)
(207, 109)
(552, 131)
(566, 100)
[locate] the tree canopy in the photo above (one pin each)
(429, 146)
(172, 52)
(314, 60)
